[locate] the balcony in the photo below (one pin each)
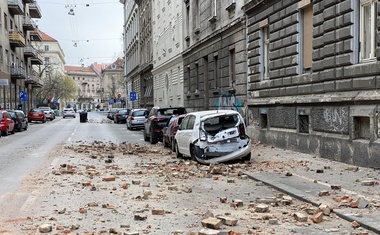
(34, 79)
(29, 24)
(18, 72)
(16, 7)
(35, 36)
(34, 10)
(34, 54)
(16, 39)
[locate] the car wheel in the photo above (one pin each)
(152, 139)
(166, 143)
(26, 126)
(247, 157)
(173, 145)
(177, 153)
(63, 117)
(13, 131)
(192, 153)
(145, 136)
(6, 132)
(44, 121)
(128, 127)
(19, 129)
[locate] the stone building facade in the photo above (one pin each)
(145, 42)
(214, 55)
(313, 74)
(112, 85)
(167, 53)
(131, 52)
(18, 31)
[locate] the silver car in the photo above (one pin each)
(137, 118)
(68, 112)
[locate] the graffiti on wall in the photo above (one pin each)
(336, 119)
(230, 102)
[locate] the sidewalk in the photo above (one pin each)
(353, 193)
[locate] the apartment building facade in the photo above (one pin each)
(214, 55)
(112, 85)
(167, 53)
(314, 77)
(18, 31)
(87, 80)
(131, 53)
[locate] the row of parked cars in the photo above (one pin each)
(211, 136)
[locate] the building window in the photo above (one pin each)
(264, 49)
(263, 121)
(196, 77)
(367, 30)
(303, 123)
(1, 54)
(5, 22)
(196, 16)
(47, 60)
(46, 47)
(206, 85)
(306, 25)
(189, 78)
(216, 72)
(362, 128)
(187, 19)
(232, 67)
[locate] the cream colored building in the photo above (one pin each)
(167, 53)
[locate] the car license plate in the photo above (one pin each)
(36, 114)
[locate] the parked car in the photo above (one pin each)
(20, 119)
(36, 115)
(111, 113)
(121, 115)
(169, 130)
(213, 137)
(137, 118)
(68, 112)
(156, 121)
(49, 113)
(7, 125)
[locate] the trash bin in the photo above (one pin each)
(83, 116)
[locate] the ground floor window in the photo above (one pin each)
(362, 128)
(303, 123)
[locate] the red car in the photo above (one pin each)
(6, 123)
(168, 132)
(36, 115)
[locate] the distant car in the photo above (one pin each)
(20, 119)
(7, 125)
(49, 113)
(36, 115)
(137, 118)
(121, 115)
(213, 137)
(68, 112)
(156, 121)
(111, 113)
(169, 130)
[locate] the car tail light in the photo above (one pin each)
(132, 118)
(242, 133)
(202, 135)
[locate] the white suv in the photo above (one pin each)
(213, 136)
(49, 113)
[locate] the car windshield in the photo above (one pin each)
(12, 114)
(171, 111)
(124, 111)
(44, 108)
(35, 110)
(140, 113)
(1, 115)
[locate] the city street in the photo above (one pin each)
(98, 177)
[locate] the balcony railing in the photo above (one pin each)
(18, 72)
(34, 10)
(16, 39)
(35, 36)
(16, 7)
(29, 24)
(34, 79)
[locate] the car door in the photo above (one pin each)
(184, 134)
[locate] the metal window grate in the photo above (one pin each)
(303, 123)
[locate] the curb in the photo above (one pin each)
(302, 196)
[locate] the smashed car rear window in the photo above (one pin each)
(216, 124)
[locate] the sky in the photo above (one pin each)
(92, 32)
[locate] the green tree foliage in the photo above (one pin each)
(58, 86)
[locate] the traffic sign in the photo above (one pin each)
(23, 96)
(132, 95)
